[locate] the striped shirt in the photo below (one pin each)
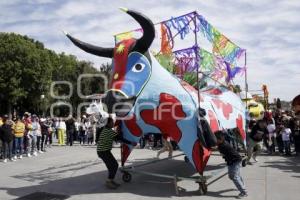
(106, 139)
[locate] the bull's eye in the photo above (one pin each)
(138, 67)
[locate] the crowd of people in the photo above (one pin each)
(277, 132)
(29, 135)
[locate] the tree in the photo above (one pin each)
(27, 70)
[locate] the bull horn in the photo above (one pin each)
(98, 51)
(142, 44)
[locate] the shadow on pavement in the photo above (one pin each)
(289, 164)
(51, 180)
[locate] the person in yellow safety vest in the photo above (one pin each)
(19, 130)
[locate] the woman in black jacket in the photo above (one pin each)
(6, 135)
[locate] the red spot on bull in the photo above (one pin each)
(214, 91)
(133, 127)
(240, 125)
(213, 122)
(125, 151)
(200, 156)
(225, 107)
(165, 116)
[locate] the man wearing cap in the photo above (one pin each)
(28, 129)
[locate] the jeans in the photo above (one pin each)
(235, 175)
(49, 139)
(38, 142)
(27, 144)
(82, 137)
(297, 142)
(280, 144)
(19, 146)
(43, 141)
(33, 143)
(7, 149)
(287, 147)
(70, 137)
(272, 146)
(1, 149)
(14, 147)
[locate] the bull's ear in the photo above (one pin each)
(98, 51)
(142, 45)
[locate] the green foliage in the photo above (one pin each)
(167, 62)
(237, 89)
(191, 78)
(27, 70)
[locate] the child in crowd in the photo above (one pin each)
(285, 134)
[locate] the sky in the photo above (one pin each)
(268, 29)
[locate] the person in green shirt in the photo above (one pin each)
(104, 147)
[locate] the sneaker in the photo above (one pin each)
(20, 157)
(12, 160)
(242, 195)
(15, 157)
(5, 160)
(116, 184)
(41, 152)
(255, 159)
(35, 153)
(110, 185)
(28, 155)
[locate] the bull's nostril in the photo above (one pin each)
(116, 76)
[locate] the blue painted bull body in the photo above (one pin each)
(151, 100)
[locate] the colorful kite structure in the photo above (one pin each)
(219, 63)
(222, 46)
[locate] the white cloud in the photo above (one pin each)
(268, 29)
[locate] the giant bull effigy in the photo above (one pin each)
(149, 99)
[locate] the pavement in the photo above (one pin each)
(76, 173)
